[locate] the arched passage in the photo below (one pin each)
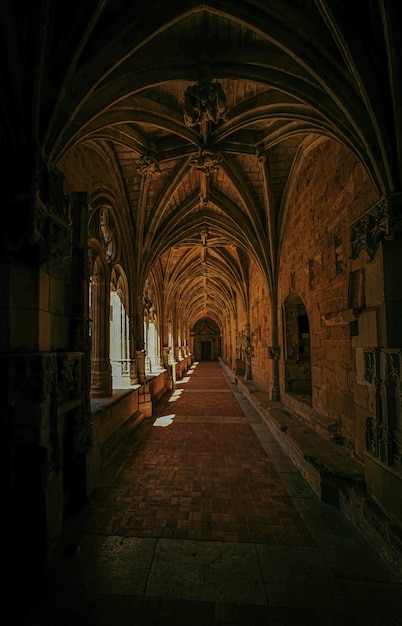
(207, 340)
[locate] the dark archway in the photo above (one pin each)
(207, 340)
(297, 337)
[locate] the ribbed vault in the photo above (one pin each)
(114, 76)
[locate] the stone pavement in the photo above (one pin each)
(201, 518)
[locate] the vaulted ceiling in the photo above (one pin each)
(198, 199)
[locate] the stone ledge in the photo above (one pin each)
(319, 422)
(332, 473)
(110, 446)
(326, 466)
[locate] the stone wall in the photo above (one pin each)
(329, 191)
(260, 324)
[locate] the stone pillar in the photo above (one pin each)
(80, 343)
(132, 353)
(140, 360)
(139, 341)
(101, 371)
(240, 364)
(44, 358)
(167, 365)
(392, 263)
(274, 351)
(166, 359)
(249, 353)
(381, 226)
(80, 336)
(165, 340)
(173, 373)
(192, 343)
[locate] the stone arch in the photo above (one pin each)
(207, 340)
(297, 347)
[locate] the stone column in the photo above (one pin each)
(132, 353)
(101, 371)
(165, 338)
(274, 351)
(139, 342)
(140, 361)
(81, 343)
(249, 353)
(44, 382)
(80, 335)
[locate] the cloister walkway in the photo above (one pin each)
(200, 518)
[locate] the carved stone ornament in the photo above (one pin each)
(52, 227)
(382, 369)
(207, 161)
(69, 369)
(107, 234)
(274, 352)
(393, 367)
(148, 165)
(204, 102)
(382, 221)
(370, 365)
(37, 220)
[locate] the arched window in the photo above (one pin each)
(119, 330)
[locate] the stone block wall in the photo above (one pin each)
(316, 266)
(45, 440)
(260, 328)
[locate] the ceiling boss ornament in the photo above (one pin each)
(148, 165)
(205, 102)
(207, 161)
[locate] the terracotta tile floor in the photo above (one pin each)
(199, 480)
(201, 519)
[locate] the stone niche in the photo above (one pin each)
(297, 332)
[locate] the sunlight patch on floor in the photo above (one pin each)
(164, 420)
(175, 395)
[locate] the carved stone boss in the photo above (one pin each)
(381, 221)
(205, 103)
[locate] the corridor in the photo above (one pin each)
(200, 518)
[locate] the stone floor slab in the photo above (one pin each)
(377, 604)
(116, 565)
(299, 577)
(209, 571)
